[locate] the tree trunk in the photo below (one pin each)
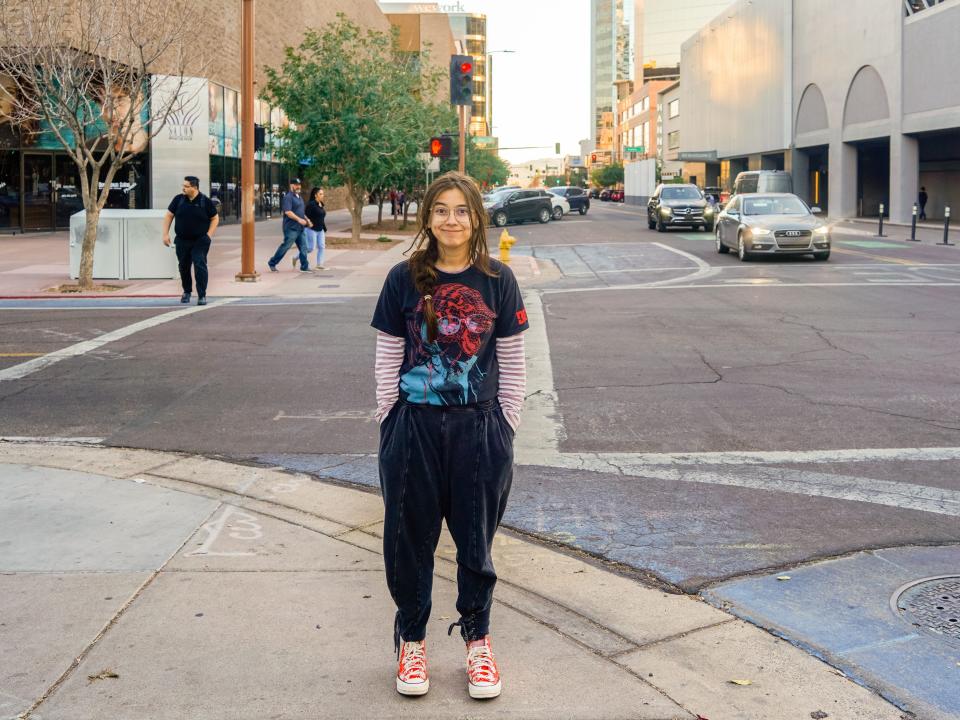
(86, 253)
(406, 209)
(380, 208)
(356, 211)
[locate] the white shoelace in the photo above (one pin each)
(480, 665)
(413, 662)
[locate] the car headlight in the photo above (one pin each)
(759, 231)
(822, 230)
(666, 211)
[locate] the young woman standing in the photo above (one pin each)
(316, 233)
(451, 378)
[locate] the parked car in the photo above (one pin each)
(770, 224)
(519, 206)
(673, 205)
(605, 194)
(595, 193)
(560, 205)
(763, 181)
(577, 197)
(616, 196)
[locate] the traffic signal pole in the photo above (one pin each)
(462, 162)
(247, 272)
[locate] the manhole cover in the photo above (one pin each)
(931, 605)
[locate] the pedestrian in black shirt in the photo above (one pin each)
(316, 234)
(922, 201)
(196, 220)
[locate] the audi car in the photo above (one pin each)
(771, 224)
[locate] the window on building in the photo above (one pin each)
(673, 139)
(646, 103)
(645, 135)
(674, 108)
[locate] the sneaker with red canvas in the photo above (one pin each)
(412, 670)
(483, 676)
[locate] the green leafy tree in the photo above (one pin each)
(483, 165)
(608, 175)
(357, 108)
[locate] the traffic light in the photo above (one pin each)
(461, 80)
(441, 147)
(556, 148)
(593, 158)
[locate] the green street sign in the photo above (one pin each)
(638, 149)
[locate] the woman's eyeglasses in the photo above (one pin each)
(461, 214)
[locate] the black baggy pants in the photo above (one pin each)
(193, 252)
(443, 463)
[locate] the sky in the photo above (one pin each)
(541, 92)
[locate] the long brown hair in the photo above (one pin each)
(423, 261)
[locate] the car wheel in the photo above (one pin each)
(660, 226)
(544, 216)
(721, 248)
(741, 249)
(583, 209)
(500, 219)
(557, 212)
(822, 255)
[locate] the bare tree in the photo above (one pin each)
(81, 70)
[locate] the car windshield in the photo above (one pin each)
(558, 191)
(774, 206)
(498, 195)
(680, 193)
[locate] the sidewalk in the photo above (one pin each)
(31, 264)
(928, 233)
(138, 584)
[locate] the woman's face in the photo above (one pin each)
(450, 222)
(319, 195)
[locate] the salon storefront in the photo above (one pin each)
(40, 184)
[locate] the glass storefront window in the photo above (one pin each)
(9, 189)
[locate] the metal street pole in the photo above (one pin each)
(462, 163)
(247, 272)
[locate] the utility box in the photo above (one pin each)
(129, 246)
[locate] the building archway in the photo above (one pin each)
(866, 126)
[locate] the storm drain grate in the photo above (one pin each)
(931, 605)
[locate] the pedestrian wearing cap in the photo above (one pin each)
(196, 220)
(294, 223)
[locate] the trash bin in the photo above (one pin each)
(129, 246)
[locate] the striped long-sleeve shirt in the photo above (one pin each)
(511, 359)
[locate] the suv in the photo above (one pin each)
(509, 205)
(578, 198)
(675, 204)
(763, 181)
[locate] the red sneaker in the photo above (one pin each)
(483, 676)
(412, 670)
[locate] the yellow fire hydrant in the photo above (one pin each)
(506, 242)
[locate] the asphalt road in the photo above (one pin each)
(700, 418)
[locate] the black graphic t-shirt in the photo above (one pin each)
(473, 309)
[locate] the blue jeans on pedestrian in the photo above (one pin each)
(316, 239)
(290, 237)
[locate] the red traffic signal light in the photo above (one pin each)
(441, 147)
(593, 158)
(461, 80)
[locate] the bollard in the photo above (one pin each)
(913, 224)
(506, 242)
(946, 226)
(880, 231)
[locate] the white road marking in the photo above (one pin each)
(245, 527)
(21, 370)
(53, 440)
(724, 286)
(764, 457)
(539, 434)
(365, 415)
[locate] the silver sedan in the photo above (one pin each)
(771, 224)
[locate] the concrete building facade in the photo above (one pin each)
(863, 110)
